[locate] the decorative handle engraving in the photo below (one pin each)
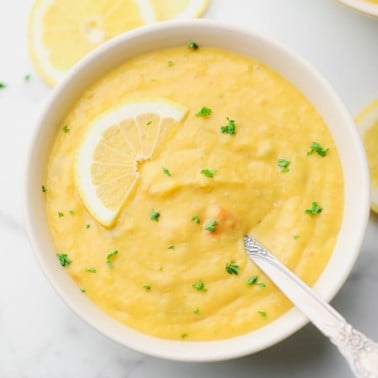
(360, 352)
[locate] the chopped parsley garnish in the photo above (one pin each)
(196, 219)
(192, 46)
(208, 172)
(147, 287)
(72, 212)
(83, 290)
(60, 214)
(230, 128)
(315, 209)
(184, 336)
(148, 123)
(27, 77)
(284, 165)
(91, 270)
(263, 314)
(204, 112)
(63, 259)
(44, 190)
(316, 147)
(2, 85)
(170, 63)
(196, 311)
(232, 268)
(167, 171)
(109, 258)
(66, 129)
(254, 281)
(154, 215)
(171, 246)
(87, 226)
(295, 237)
(199, 285)
(211, 225)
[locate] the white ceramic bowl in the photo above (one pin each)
(291, 66)
(363, 6)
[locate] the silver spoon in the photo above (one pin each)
(360, 352)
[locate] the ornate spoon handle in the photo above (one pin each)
(360, 352)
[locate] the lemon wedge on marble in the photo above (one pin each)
(367, 122)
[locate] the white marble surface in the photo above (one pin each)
(41, 338)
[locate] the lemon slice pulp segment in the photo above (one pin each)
(367, 122)
(107, 162)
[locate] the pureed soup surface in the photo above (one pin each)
(184, 276)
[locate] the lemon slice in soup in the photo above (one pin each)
(107, 161)
(367, 122)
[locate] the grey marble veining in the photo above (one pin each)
(41, 338)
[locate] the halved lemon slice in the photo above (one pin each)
(63, 31)
(107, 161)
(367, 122)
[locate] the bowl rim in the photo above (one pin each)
(223, 349)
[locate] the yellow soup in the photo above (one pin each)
(257, 159)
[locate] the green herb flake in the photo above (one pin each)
(284, 165)
(263, 314)
(147, 287)
(170, 63)
(83, 290)
(315, 209)
(196, 311)
(27, 77)
(171, 246)
(154, 215)
(44, 189)
(72, 212)
(316, 147)
(204, 112)
(211, 225)
(232, 268)
(63, 259)
(109, 257)
(66, 129)
(184, 336)
(167, 171)
(296, 237)
(87, 226)
(230, 128)
(60, 214)
(2, 85)
(91, 270)
(254, 280)
(148, 123)
(208, 172)
(196, 219)
(199, 285)
(192, 46)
